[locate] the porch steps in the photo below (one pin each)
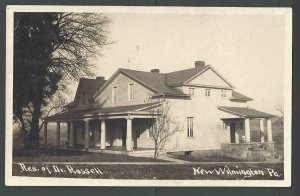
(139, 153)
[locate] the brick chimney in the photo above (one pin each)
(199, 63)
(100, 78)
(155, 70)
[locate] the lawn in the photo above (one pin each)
(61, 155)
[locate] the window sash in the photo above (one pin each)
(190, 126)
(115, 94)
(131, 92)
(191, 91)
(207, 92)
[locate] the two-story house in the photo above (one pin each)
(115, 112)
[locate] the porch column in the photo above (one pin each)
(58, 134)
(68, 132)
(129, 134)
(247, 129)
(269, 129)
(262, 130)
(103, 135)
(71, 141)
(45, 133)
(86, 133)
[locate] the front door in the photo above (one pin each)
(232, 132)
(124, 133)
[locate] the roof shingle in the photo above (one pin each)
(246, 112)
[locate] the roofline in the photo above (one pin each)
(214, 70)
(229, 111)
(241, 99)
(203, 85)
(114, 75)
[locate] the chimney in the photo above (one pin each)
(199, 63)
(100, 78)
(155, 70)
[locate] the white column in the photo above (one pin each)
(262, 130)
(269, 129)
(45, 133)
(86, 133)
(247, 130)
(129, 135)
(71, 141)
(103, 135)
(58, 134)
(68, 132)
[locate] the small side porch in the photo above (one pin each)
(250, 133)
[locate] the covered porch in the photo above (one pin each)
(250, 133)
(115, 129)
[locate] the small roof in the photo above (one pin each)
(239, 96)
(91, 86)
(246, 112)
(103, 111)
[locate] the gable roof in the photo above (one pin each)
(179, 77)
(90, 86)
(154, 81)
(246, 112)
(239, 96)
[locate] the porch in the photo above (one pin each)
(248, 142)
(117, 130)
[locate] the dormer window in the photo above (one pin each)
(207, 92)
(83, 98)
(191, 91)
(115, 94)
(131, 91)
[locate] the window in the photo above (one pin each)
(191, 91)
(83, 98)
(115, 94)
(223, 93)
(207, 92)
(190, 127)
(131, 92)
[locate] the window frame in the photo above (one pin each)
(191, 91)
(190, 127)
(207, 92)
(115, 94)
(131, 95)
(223, 93)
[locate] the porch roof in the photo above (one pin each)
(245, 112)
(94, 112)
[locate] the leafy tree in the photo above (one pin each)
(49, 49)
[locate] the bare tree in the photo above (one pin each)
(163, 127)
(280, 109)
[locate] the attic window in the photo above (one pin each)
(191, 91)
(131, 92)
(223, 93)
(115, 94)
(207, 92)
(83, 98)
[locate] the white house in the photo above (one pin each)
(115, 112)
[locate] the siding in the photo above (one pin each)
(104, 99)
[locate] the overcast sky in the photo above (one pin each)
(248, 50)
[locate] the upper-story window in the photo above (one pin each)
(190, 126)
(83, 98)
(207, 92)
(191, 91)
(223, 93)
(131, 92)
(115, 94)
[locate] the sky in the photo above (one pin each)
(248, 50)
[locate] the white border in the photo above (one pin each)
(43, 181)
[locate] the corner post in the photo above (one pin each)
(103, 135)
(71, 141)
(262, 130)
(269, 129)
(86, 133)
(247, 130)
(129, 134)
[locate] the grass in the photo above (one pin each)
(61, 155)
